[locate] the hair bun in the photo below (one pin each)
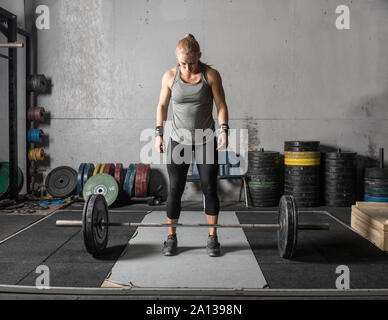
(189, 35)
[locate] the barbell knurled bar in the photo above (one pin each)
(301, 226)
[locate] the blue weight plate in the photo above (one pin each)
(375, 199)
(80, 179)
(129, 181)
(88, 172)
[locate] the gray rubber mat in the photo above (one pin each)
(143, 265)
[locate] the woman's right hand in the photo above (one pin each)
(159, 143)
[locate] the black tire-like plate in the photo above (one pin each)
(340, 155)
(61, 182)
(94, 215)
(87, 172)
(80, 179)
(376, 182)
(288, 230)
(376, 173)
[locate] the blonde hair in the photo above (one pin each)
(188, 45)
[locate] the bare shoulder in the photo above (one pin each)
(168, 77)
(213, 75)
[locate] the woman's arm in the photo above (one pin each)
(215, 83)
(164, 100)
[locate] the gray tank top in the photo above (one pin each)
(192, 109)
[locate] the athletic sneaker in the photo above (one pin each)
(213, 246)
(170, 247)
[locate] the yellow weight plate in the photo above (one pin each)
(39, 154)
(102, 168)
(31, 155)
(302, 155)
(302, 162)
(96, 169)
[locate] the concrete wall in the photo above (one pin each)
(17, 8)
(288, 73)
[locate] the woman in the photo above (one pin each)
(192, 85)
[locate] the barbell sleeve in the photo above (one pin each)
(12, 45)
(302, 226)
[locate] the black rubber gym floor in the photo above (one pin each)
(314, 265)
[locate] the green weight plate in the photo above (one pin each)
(94, 224)
(103, 184)
(288, 230)
(4, 178)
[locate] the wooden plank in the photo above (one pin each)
(372, 204)
(374, 218)
(377, 237)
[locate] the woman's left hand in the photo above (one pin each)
(222, 141)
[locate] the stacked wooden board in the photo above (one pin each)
(370, 219)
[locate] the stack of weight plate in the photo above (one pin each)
(263, 177)
(339, 178)
(302, 172)
(376, 185)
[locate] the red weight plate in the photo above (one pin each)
(30, 114)
(39, 114)
(109, 169)
(119, 174)
(142, 180)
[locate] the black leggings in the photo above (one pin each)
(179, 158)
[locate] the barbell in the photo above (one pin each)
(95, 225)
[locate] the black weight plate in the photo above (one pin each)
(330, 203)
(344, 163)
(80, 179)
(339, 190)
(301, 169)
(264, 171)
(308, 204)
(344, 170)
(337, 175)
(263, 154)
(61, 182)
(288, 230)
(383, 183)
(263, 204)
(376, 173)
(88, 172)
(263, 178)
(264, 192)
(301, 149)
(311, 198)
(302, 188)
(299, 185)
(94, 218)
(334, 196)
(301, 178)
(340, 155)
(264, 197)
(310, 144)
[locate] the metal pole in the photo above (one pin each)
(12, 92)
